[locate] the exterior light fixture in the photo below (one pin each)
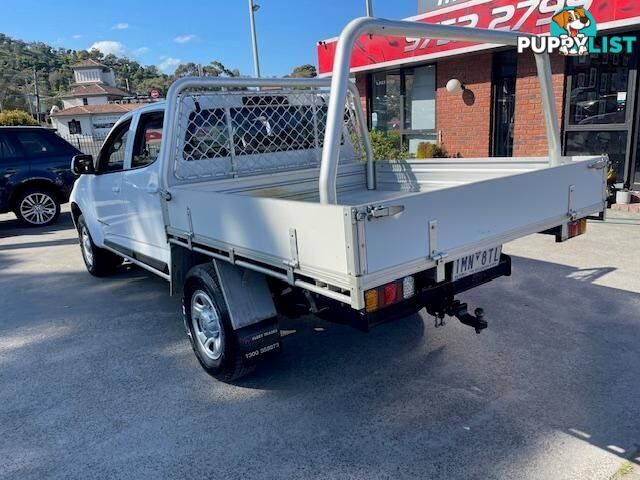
(455, 86)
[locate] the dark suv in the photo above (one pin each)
(35, 173)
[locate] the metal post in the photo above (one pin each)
(37, 93)
(372, 26)
(545, 75)
(254, 38)
(369, 8)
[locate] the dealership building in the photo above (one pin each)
(403, 84)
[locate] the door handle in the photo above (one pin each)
(115, 189)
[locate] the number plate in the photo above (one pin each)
(477, 262)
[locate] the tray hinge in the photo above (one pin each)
(371, 212)
(435, 254)
(190, 233)
(293, 263)
(571, 212)
(601, 163)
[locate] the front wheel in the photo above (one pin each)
(99, 262)
(37, 207)
(209, 326)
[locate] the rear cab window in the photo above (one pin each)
(148, 139)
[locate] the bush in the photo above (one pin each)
(16, 118)
(431, 150)
(388, 146)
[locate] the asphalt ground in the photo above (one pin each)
(97, 378)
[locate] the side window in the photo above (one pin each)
(112, 153)
(7, 149)
(37, 143)
(148, 140)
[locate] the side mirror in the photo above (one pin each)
(82, 165)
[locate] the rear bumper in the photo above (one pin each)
(430, 294)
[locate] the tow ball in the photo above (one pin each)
(455, 308)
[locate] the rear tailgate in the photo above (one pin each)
(471, 217)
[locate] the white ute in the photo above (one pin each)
(258, 197)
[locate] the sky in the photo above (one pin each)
(166, 33)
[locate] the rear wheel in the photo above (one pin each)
(207, 320)
(99, 262)
(37, 207)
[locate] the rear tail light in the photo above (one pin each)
(389, 294)
(577, 228)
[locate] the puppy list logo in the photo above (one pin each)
(573, 32)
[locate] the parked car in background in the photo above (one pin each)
(35, 178)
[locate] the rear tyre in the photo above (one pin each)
(99, 262)
(37, 207)
(209, 326)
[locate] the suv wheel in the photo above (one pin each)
(37, 207)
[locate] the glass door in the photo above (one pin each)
(601, 90)
(505, 72)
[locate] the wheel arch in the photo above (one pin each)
(32, 184)
(75, 213)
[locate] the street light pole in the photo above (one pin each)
(253, 8)
(369, 8)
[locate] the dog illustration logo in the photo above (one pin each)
(576, 24)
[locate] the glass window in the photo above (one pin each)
(85, 101)
(7, 150)
(405, 102)
(599, 89)
(148, 140)
(74, 127)
(505, 72)
(112, 153)
(596, 143)
(386, 102)
(40, 142)
(420, 103)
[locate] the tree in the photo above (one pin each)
(16, 118)
(304, 71)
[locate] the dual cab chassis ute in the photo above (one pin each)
(258, 197)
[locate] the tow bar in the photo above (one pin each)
(455, 308)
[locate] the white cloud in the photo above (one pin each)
(184, 38)
(168, 64)
(120, 26)
(108, 46)
(76, 36)
(139, 51)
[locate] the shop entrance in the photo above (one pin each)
(601, 111)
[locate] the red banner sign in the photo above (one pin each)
(531, 16)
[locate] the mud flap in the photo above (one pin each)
(259, 341)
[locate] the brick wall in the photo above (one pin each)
(465, 119)
(361, 83)
(530, 137)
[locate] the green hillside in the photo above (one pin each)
(18, 59)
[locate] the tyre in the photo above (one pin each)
(209, 326)
(37, 207)
(99, 262)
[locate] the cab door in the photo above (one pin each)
(106, 185)
(144, 227)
